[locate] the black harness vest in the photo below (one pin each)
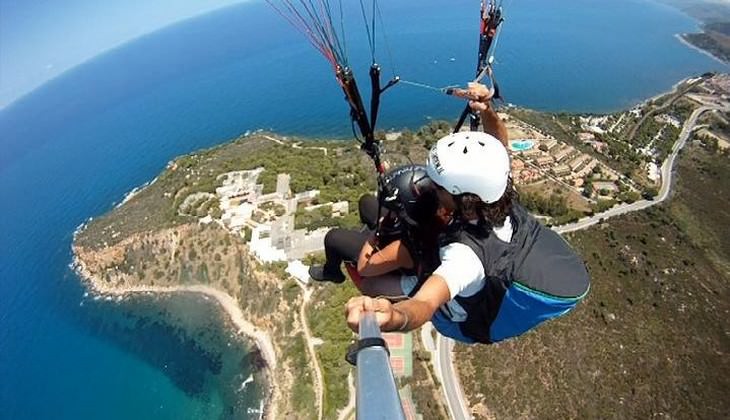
(536, 259)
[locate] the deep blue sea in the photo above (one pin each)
(75, 146)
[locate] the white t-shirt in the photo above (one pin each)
(463, 272)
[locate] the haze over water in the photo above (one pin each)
(73, 147)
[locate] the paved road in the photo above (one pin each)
(455, 401)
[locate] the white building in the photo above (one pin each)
(307, 195)
(653, 172)
(282, 185)
(667, 119)
(340, 208)
(261, 245)
(299, 271)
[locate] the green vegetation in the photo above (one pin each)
(302, 398)
(649, 139)
(603, 205)
(276, 208)
(651, 336)
(629, 197)
(588, 189)
(650, 326)
(425, 387)
(344, 174)
(322, 217)
(429, 134)
(555, 206)
(702, 210)
(324, 316)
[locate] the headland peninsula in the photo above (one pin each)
(241, 221)
(714, 19)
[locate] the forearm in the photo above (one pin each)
(494, 125)
(409, 315)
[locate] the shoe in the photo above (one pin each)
(318, 273)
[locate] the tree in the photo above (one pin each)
(588, 189)
(603, 205)
(630, 197)
(247, 233)
(650, 193)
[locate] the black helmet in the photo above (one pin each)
(410, 193)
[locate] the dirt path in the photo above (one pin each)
(318, 381)
(346, 412)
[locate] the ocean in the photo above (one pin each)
(72, 148)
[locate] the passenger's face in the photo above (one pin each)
(446, 205)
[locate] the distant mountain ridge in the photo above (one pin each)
(707, 11)
(714, 16)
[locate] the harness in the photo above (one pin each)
(534, 278)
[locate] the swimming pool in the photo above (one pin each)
(521, 145)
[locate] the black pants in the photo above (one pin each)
(345, 244)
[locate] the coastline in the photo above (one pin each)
(681, 39)
(230, 306)
(136, 190)
(659, 95)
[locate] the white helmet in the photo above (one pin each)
(470, 162)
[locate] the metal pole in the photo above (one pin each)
(377, 395)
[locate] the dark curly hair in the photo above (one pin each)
(470, 206)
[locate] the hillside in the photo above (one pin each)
(714, 15)
(650, 340)
(202, 222)
(707, 11)
(715, 40)
(155, 240)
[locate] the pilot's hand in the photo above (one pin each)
(479, 96)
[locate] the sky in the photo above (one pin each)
(40, 39)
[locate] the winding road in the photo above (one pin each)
(455, 401)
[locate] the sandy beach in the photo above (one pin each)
(228, 303)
